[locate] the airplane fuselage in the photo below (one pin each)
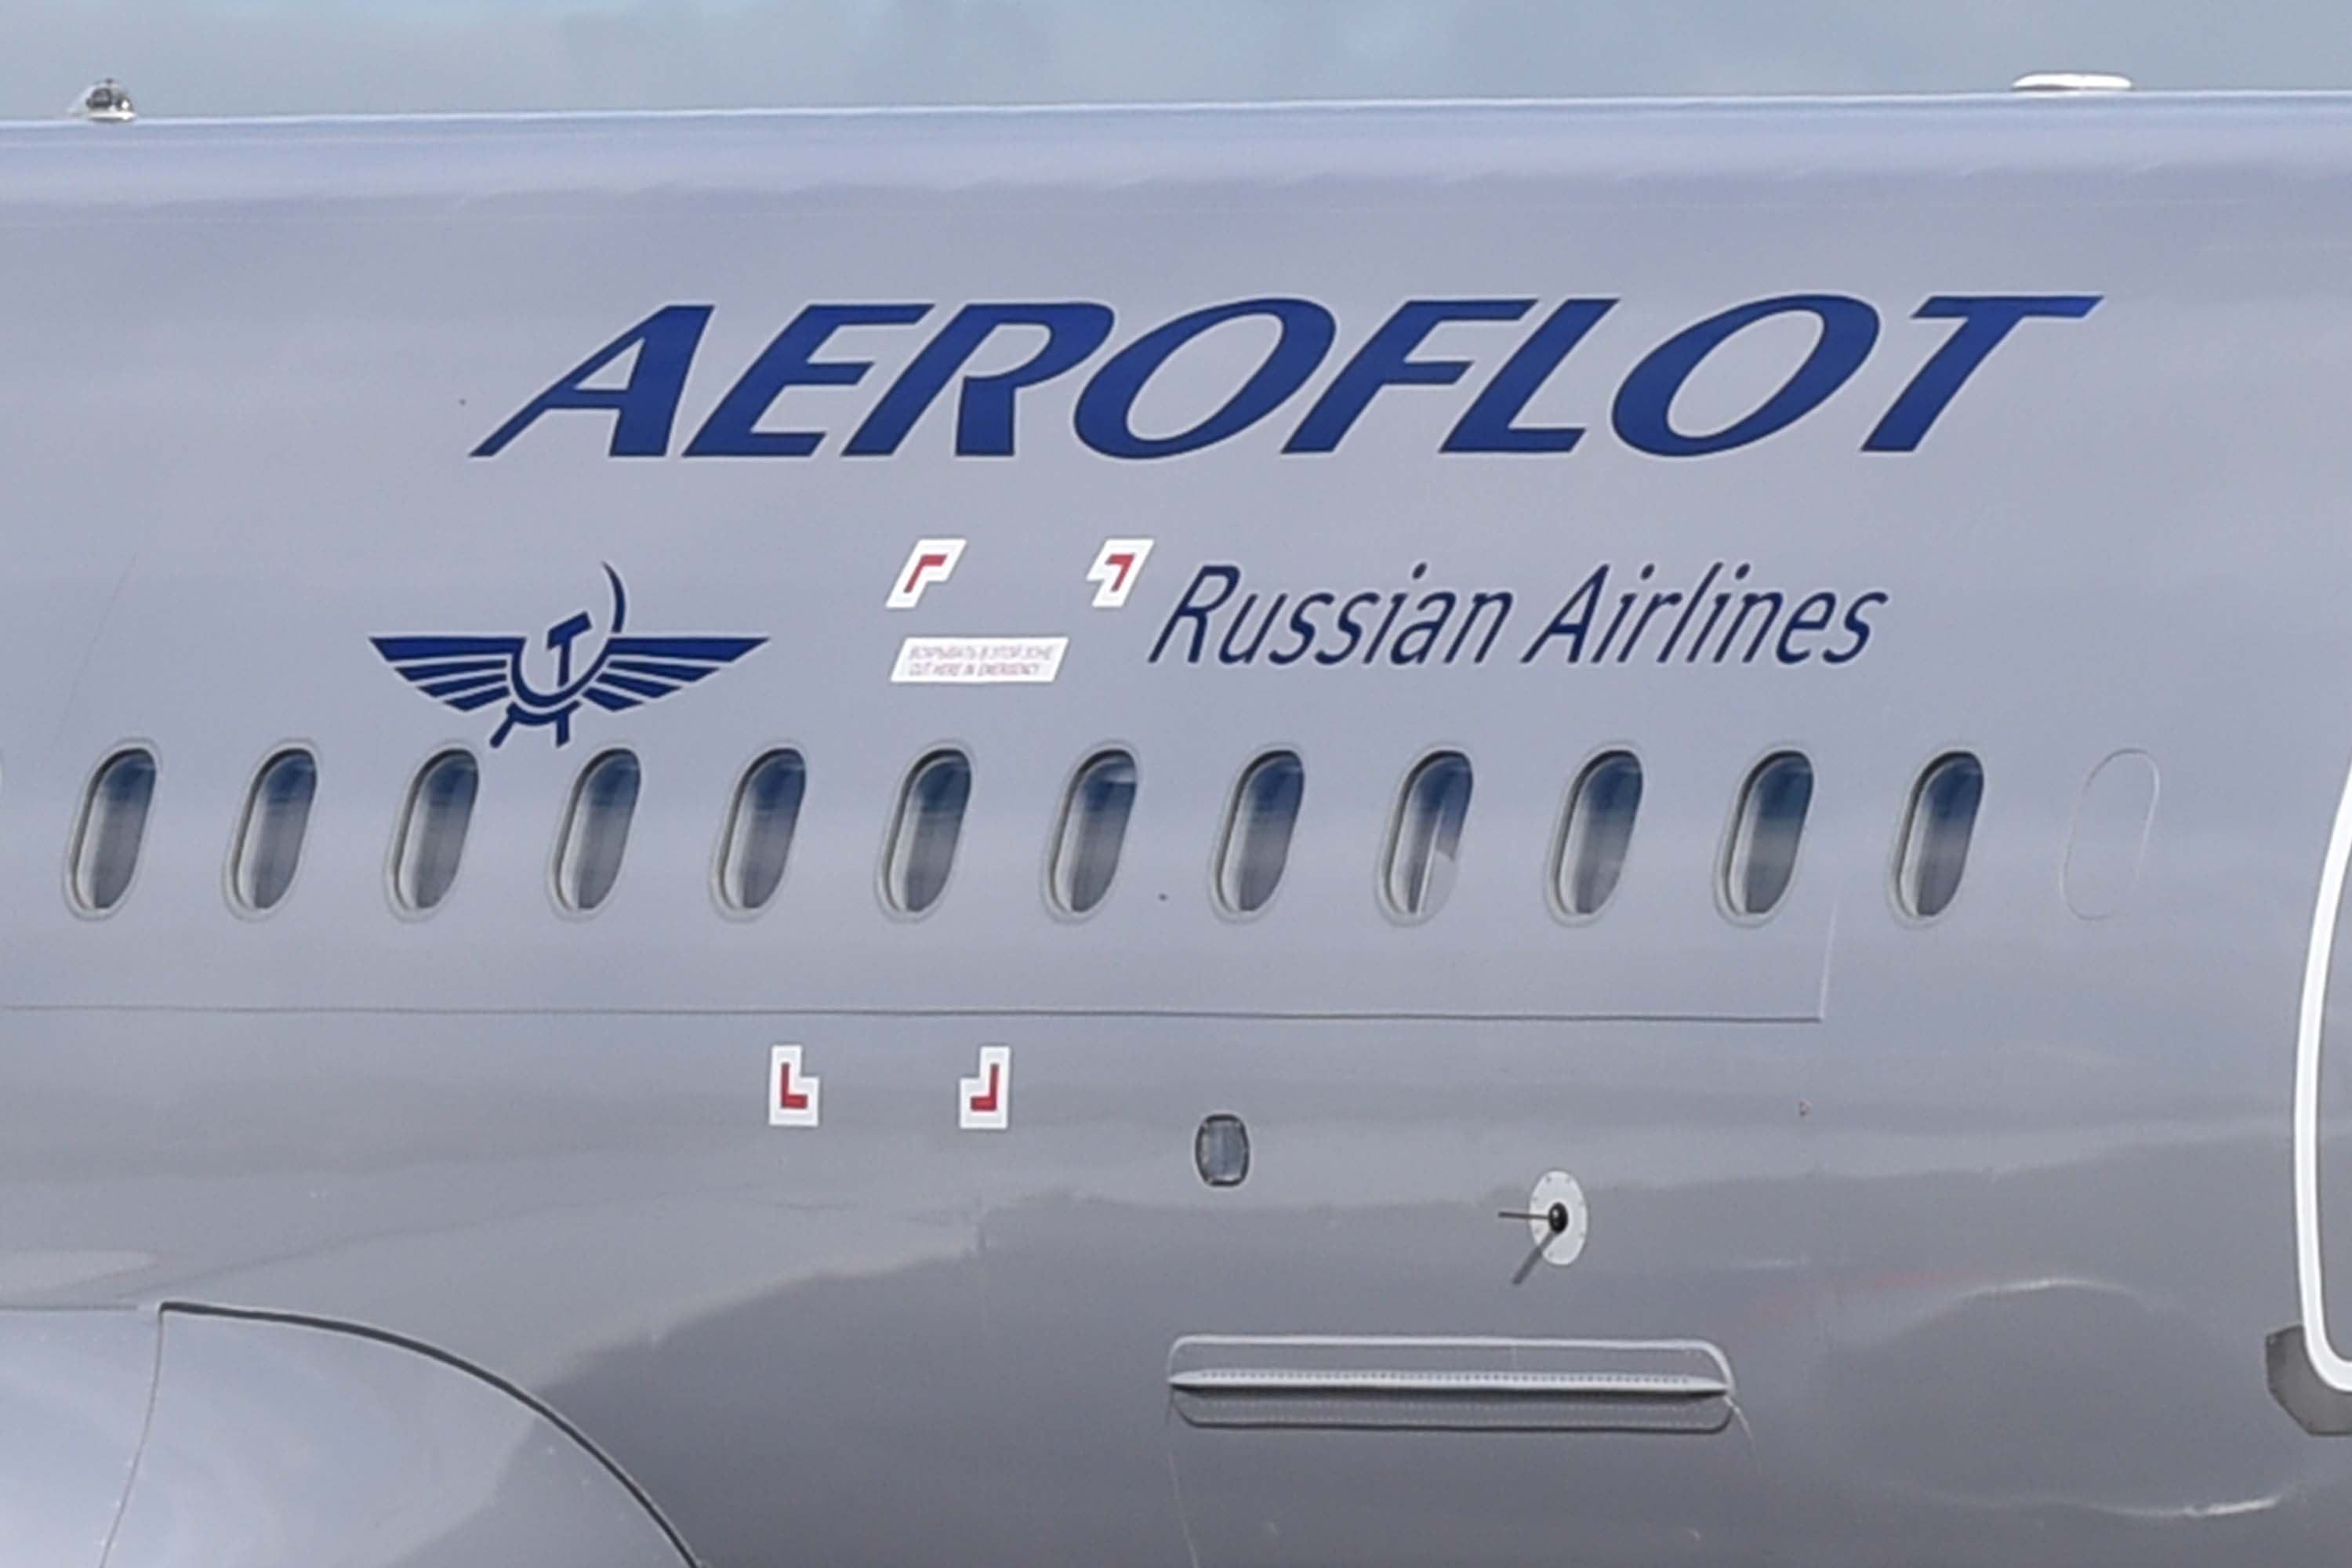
(1367, 835)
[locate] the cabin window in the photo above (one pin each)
(1767, 833)
(596, 831)
(1221, 1150)
(1093, 830)
(269, 835)
(1936, 835)
(1255, 847)
(760, 829)
(114, 824)
(1425, 842)
(1598, 831)
(923, 839)
(431, 838)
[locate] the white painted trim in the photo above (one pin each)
(2332, 1368)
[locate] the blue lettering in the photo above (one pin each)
(1487, 426)
(984, 404)
(647, 368)
(1228, 579)
(1386, 360)
(1814, 614)
(646, 406)
(1849, 328)
(1107, 406)
(1857, 626)
(1985, 320)
(786, 362)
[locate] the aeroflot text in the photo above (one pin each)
(746, 422)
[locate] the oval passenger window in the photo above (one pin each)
(923, 839)
(596, 831)
(1601, 813)
(1936, 835)
(431, 842)
(113, 824)
(759, 830)
(1767, 833)
(1255, 846)
(1092, 831)
(269, 837)
(1426, 841)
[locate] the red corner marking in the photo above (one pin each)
(1117, 566)
(930, 563)
(792, 1091)
(923, 564)
(985, 1100)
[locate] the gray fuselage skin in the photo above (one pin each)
(1982, 1222)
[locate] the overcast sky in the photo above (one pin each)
(241, 57)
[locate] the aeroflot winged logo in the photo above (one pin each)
(473, 673)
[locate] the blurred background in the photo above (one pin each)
(278, 57)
